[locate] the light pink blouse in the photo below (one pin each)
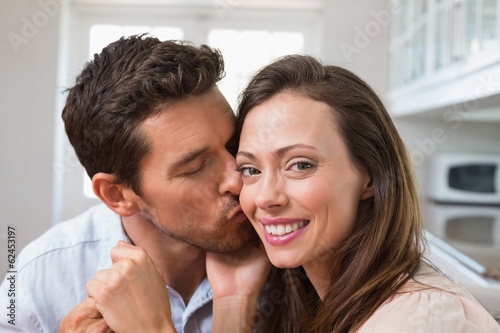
(446, 308)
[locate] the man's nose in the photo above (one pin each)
(231, 182)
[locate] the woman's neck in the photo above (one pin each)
(320, 273)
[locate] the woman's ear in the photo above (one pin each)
(368, 189)
(118, 197)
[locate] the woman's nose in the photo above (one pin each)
(271, 193)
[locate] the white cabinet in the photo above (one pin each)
(445, 53)
(408, 46)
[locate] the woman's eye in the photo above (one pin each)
(248, 171)
(301, 166)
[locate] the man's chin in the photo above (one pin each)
(245, 237)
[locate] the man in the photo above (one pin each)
(154, 134)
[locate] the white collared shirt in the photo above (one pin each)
(51, 273)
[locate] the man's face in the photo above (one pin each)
(189, 180)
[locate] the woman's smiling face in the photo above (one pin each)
(300, 189)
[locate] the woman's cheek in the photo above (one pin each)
(247, 205)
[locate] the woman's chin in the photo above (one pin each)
(284, 262)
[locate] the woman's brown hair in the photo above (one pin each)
(385, 248)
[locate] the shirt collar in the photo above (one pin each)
(112, 232)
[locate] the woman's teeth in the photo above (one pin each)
(283, 229)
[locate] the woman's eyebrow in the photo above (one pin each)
(246, 154)
(282, 151)
(278, 152)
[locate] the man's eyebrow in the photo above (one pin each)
(189, 157)
(278, 152)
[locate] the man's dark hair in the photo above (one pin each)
(131, 80)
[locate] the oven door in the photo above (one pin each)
(464, 242)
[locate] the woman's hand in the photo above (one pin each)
(237, 279)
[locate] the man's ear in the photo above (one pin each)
(368, 189)
(118, 197)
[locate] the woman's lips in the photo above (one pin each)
(281, 231)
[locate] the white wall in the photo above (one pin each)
(27, 95)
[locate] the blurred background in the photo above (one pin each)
(435, 63)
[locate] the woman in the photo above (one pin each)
(328, 185)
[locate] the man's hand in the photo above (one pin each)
(84, 318)
(131, 295)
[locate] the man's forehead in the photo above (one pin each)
(185, 127)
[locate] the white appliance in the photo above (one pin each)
(464, 242)
(463, 178)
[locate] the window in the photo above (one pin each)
(245, 51)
